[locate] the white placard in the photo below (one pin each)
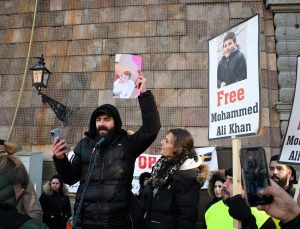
(143, 163)
(234, 91)
(209, 157)
(290, 151)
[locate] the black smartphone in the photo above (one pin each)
(255, 174)
(55, 134)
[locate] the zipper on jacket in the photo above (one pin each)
(101, 177)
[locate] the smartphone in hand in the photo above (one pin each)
(55, 134)
(255, 174)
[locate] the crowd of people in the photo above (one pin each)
(169, 195)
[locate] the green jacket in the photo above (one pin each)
(9, 217)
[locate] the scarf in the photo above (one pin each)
(165, 170)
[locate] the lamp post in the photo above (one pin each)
(40, 77)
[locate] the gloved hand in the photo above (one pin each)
(238, 209)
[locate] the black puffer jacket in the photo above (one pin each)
(232, 69)
(108, 194)
(175, 205)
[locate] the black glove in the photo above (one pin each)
(238, 209)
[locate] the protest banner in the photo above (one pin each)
(143, 163)
(290, 150)
(234, 88)
(209, 157)
(234, 92)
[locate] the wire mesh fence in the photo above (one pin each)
(79, 40)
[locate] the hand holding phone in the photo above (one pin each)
(283, 206)
(255, 174)
(59, 147)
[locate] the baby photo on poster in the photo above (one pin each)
(127, 67)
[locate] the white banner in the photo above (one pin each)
(234, 95)
(290, 151)
(143, 163)
(209, 157)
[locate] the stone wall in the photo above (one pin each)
(287, 35)
(79, 39)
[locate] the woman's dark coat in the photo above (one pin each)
(56, 207)
(175, 205)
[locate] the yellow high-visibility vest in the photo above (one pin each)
(276, 221)
(217, 216)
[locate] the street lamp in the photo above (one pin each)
(40, 74)
(40, 77)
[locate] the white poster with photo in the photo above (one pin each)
(127, 68)
(234, 90)
(290, 151)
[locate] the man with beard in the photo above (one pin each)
(107, 154)
(222, 213)
(283, 175)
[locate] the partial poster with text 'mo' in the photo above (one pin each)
(290, 150)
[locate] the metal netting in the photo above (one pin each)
(79, 40)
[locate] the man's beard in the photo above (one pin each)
(282, 182)
(225, 194)
(110, 132)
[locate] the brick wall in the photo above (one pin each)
(79, 39)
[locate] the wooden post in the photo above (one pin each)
(236, 170)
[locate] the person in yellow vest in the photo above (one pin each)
(222, 213)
